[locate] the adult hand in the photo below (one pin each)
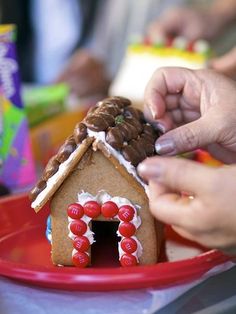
(225, 64)
(210, 217)
(188, 22)
(85, 75)
(198, 108)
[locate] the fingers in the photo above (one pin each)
(186, 138)
(167, 207)
(178, 174)
(225, 64)
(172, 81)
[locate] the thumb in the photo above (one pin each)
(178, 174)
(186, 138)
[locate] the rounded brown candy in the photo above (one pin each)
(39, 187)
(66, 150)
(96, 123)
(126, 131)
(131, 155)
(135, 123)
(138, 148)
(115, 138)
(51, 168)
(80, 132)
(147, 146)
(131, 112)
(111, 109)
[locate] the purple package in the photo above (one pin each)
(17, 167)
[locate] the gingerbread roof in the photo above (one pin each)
(111, 122)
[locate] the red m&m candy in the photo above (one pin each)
(128, 260)
(81, 243)
(109, 209)
(127, 229)
(126, 213)
(92, 209)
(129, 245)
(75, 211)
(80, 259)
(78, 227)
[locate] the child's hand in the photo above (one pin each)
(199, 107)
(209, 218)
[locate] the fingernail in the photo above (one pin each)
(149, 170)
(153, 112)
(165, 146)
(161, 128)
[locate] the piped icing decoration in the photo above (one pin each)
(112, 122)
(90, 207)
(180, 43)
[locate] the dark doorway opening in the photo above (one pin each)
(104, 252)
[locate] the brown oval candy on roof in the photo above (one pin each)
(66, 150)
(149, 130)
(131, 112)
(136, 123)
(80, 132)
(125, 131)
(115, 138)
(96, 123)
(39, 187)
(51, 168)
(130, 154)
(136, 144)
(111, 109)
(148, 147)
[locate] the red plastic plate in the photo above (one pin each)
(25, 256)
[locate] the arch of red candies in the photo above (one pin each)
(109, 210)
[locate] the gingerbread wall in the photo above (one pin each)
(96, 172)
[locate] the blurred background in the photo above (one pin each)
(72, 53)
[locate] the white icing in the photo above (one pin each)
(101, 136)
(101, 198)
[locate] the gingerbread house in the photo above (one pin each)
(93, 178)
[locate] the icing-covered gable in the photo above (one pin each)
(123, 133)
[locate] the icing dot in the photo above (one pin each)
(109, 209)
(80, 259)
(128, 260)
(75, 211)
